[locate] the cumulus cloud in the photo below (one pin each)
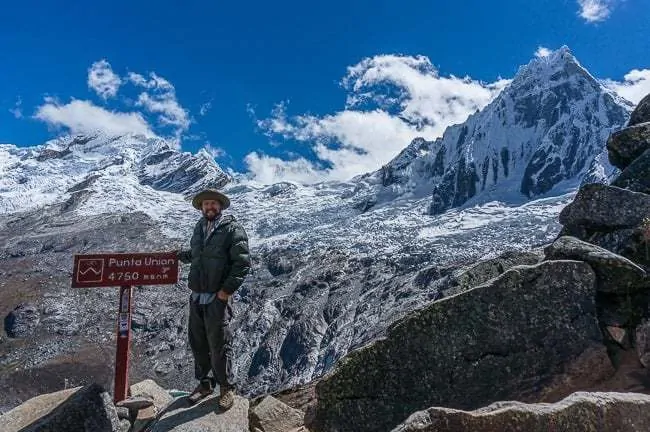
(391, 100)
(269, 169)
(158, 109)
(634, 87)
(542, 52)
(17, 108)
(103, 80)
(160, 98)
(595, 10)
(82, 116)
(215, 152)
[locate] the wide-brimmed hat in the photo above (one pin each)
(210, 194)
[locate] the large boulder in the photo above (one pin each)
(33, 409)
(272, 415)
(531, 334)
(636, 177)
(580, 412)
(203, 417)
(641, 113)
(614, 273)
(599, 207)
(624, 146)
(642, 342)
(87, 409)
(22, 321)
(476, 274)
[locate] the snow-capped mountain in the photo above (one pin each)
(34, 176)
(542, 135)
(331, 268)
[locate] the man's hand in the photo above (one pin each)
(223, 296)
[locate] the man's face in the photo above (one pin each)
(211, 209)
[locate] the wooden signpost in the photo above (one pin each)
(124, 270)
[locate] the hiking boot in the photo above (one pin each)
(201, 391)
(226, 397)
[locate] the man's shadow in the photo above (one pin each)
(189, 412)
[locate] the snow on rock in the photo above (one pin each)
(543, 135)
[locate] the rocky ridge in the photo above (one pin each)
(535, 333)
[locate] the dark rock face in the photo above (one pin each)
(636, 177)
(22, 321)
(580, 412)
(614, 273)
(601, 207)
(89, 409)
(628, 144)
(529, 334)
(282, 261)
(476, 274)
(181, 172)
(641, 113)
(537, 134)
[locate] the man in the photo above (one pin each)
(220, 261)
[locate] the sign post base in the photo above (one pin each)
(123, 343)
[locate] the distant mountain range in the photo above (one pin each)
(334, 262)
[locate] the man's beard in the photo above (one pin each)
(211, 214)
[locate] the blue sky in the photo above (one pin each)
(289, 89)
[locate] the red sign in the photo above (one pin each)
(104, 270)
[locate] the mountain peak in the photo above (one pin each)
(558, 66)
(545, 133)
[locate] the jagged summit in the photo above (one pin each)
(113, 167)
(545, 133)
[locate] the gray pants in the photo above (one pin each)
(211, 340)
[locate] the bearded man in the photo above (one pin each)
(220, 261)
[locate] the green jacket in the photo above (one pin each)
(220, 263)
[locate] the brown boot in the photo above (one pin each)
(201, 391)
(226, 397)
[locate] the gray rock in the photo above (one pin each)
(271, 415)
(123, 413)
(529, 334)
(33, 409)
(580, 412)
(642, 342)
(88, 409)
(143, 418)
(636, 177)
(150, 390)
(599, 207)
(125, 425)
(614, 273)
(482, 271)
(136, 402)
(22, 321)
(617, 334)
(624, 146)
(205, 417)
(641, 113)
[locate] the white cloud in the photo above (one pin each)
(634, 87)
(103, 80)
(542, 52)
(205, 108)
(391, 100)
(595, 10)
(161, 99)
(215, 152)
(268, 169)
(81, 116)
(17, 109)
